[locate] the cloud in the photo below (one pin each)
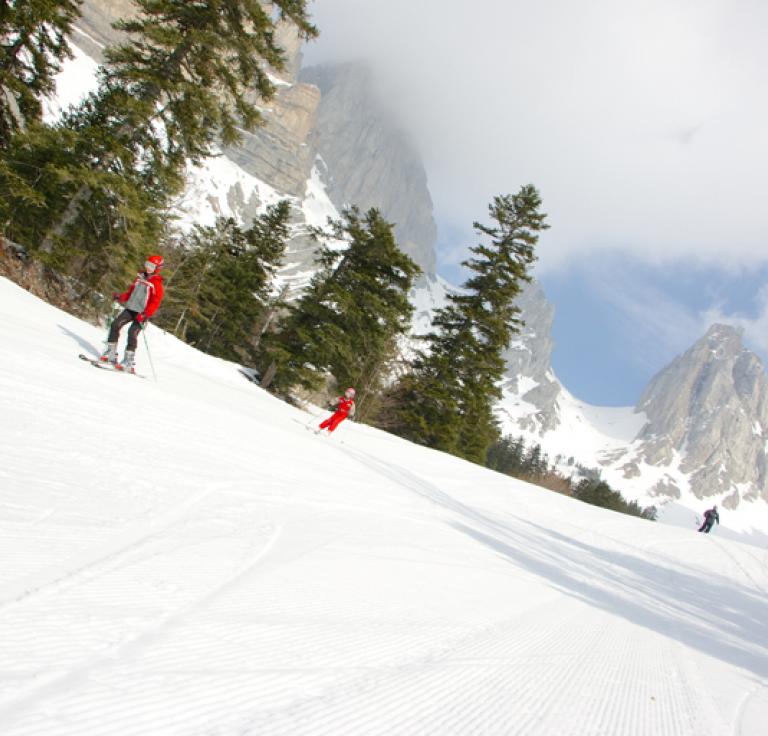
(642, 123)
(653, 319)
(653, 325)
(755, 326)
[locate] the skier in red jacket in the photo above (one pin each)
(140, 301)
(345, 407)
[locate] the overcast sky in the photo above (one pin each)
(643, 124)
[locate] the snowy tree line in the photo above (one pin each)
(511, 456)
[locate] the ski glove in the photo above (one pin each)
(141, 317)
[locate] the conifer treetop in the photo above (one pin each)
(447, 400)
(33, 43)
(206, 60)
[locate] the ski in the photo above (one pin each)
(324, 435)
(106, 366)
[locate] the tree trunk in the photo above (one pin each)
(270, 315)
(13, 106)
(80, 197)
(269, 375)
(178, 324)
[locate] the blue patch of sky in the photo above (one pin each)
(619, 320)
(619, 323)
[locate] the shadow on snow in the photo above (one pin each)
(707, 613)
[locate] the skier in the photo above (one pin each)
(141, 301)
(345, 407)
(710, 517)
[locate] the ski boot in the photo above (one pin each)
(110, 354)
(128, 363)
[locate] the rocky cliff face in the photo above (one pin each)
(326, 128)
(529, 361)
(370, 160)
(277, 153)
(700, 429)
(709, 407)
(95, 26)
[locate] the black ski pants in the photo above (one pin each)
(122, 319)
(706, 527)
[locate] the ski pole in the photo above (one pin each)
(149, 354)
(311, 423)
(110, 320)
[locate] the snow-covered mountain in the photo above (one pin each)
(710, 407)
(371, 162)
(182, 556)
(694, 438)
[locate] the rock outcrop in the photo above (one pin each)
(370, 159)
(278, 152)
(94, 28)
(709, 407)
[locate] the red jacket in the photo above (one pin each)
(345, 405)
(154, 286)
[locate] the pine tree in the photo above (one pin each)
(126, 209)
(201, 66)
(598, 493)
(184, 81)
(447, 401)
(33, 43)
(347, 323)
(220, 280)
(536, 463)
(506, 455)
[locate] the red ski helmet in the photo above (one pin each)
(350, 392)
(153, 263)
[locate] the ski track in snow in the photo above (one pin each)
(752, 711)
(182, 558)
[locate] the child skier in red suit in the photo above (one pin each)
(345, 408)
(140, 301)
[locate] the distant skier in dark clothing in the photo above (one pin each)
(141, 301)
(710, 517)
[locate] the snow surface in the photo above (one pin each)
(317, 206)
(75, 80)
(184, 557)
(218, 187)
(591, 431)
(429, 294)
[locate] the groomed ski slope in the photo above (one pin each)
(184, 557)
